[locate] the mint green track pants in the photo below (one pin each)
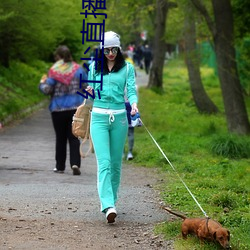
(108, 136)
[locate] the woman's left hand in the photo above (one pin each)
(43, 79)
(134, 109)
(89, 89)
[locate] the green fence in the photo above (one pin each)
(208, 58)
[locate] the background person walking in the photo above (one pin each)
(62, 83)
(147, 54)
(128, 109)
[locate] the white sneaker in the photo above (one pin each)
(111, 214)
(130, 156)
(58, 171)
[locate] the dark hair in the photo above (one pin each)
(119, 63)
(64, 53)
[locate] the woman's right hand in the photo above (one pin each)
(134, 109)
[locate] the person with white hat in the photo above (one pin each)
(109, 123)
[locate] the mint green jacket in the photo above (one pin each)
(114, 87)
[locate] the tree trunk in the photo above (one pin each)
(159, 47)
(201, 99)
(235, 109)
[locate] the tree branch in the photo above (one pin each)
(172, 5)
(202, 9)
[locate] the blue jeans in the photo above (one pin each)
(108, 139)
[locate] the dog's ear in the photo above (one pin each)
(214, 235)
(228, 237)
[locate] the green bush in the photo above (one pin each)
(231, 146)
(223, 200)
(19, 87)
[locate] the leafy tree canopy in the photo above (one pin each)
(32, 30)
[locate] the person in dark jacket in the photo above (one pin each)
(62, 84)
(147, 54)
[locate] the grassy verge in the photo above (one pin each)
(212, 163)
(19, 88)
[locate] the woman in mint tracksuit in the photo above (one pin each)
(109, 123)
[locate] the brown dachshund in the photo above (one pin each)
(204, 229)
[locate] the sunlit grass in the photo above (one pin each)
(19, 87)
(190, 140)
(219, 181)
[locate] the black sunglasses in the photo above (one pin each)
(113, 50)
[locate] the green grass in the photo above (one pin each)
(19, 88)
(214, 164)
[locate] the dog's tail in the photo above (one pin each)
(175, 213)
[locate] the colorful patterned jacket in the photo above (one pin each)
(63, 95)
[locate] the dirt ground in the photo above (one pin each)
(40, 209)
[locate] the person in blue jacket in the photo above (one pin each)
(62, 84)
(109, 123)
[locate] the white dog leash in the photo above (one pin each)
(174, 170)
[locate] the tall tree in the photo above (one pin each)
(241, 17)
(132, 19)
(159, 44)
(28, 33)
(201, 99)
(242, 33)
(223, 38)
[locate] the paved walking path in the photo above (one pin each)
(26, 163)
(31, 191)
(141, 78)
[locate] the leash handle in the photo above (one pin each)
(90, 149)
(174, 170)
